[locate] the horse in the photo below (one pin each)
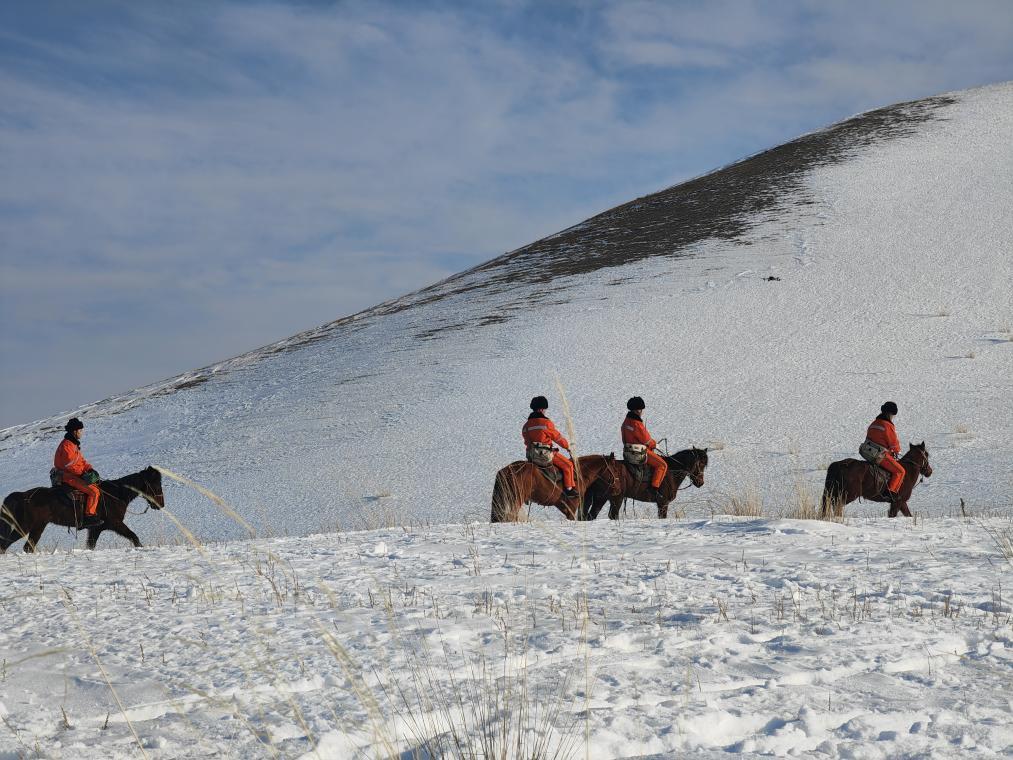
(25, 514)
(520, 483)
(617, 483)
(850, 479)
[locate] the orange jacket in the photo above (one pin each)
(70, 459)
(635, 431)
(883, 432)
(539, 429)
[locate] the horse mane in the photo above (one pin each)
(685, 458)
(127, 487)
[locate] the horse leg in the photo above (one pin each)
(32, 539)
(93, 534)
(662, 510)
(596, 506)
(614, 505)
(903, 509)
(121, 529)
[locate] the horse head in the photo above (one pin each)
(151, 487)
(698, 466)
(919, 455)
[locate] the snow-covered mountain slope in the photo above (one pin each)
(889, 236)
(704, 639)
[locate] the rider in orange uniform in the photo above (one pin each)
(74, 468)
(539, 429)
(634, 431)
(883, 433)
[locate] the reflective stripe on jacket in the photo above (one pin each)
(69, 458)
(883, 432)
(539, 429)
(635, 431)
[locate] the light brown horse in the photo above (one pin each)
(616, 483)
(25, 514)
(521, 483)
(850, 479)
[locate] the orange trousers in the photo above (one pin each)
(660, 468)
(91, 507)
(566, 467)
(896, 470)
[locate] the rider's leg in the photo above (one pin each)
(660, 468)
(566, 467)
(89, 489)
(896, 470)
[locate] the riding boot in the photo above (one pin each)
(90, 521)
(570, 493)
(651, 493)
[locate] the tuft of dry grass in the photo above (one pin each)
(745, 503)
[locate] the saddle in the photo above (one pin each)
(76, 501)
(540, 455)
(880, 478)
(635, 459)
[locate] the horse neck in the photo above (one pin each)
(913, 468)
(684, 460)
(125, 489)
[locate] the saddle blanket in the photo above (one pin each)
(641, 473)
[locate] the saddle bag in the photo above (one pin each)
(635, 453)
(55, 477)
(539, 454)
(872, 452)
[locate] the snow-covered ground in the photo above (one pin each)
(895, 279)
(870, 639)
(884, 273)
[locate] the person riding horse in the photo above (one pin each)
(882, 447)
(538, 432)
(637, 441)
(76, 472)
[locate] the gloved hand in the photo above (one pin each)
(91, 477)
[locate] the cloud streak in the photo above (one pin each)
(193, 181)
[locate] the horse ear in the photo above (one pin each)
(923, 444)
(706, 450)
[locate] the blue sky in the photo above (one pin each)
(181, 181)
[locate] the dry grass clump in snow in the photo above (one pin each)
(490, 713)
(802, 502)
(745, 503)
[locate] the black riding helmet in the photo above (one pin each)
(538, 403)
(888, 408)
(73, 424)
(636, 404)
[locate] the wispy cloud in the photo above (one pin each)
(196, 180)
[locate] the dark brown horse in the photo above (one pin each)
(616, 483)
(25, 514)
(520, 483)
(850, 479)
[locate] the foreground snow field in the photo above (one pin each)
(869, 639)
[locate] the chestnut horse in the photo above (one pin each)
(616, 483)
(520, 483)
(850, 479)
(25, 514)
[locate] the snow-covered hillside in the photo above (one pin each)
(888, 237)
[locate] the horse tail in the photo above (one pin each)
(834, 489)
(506, 496)
(12, 517)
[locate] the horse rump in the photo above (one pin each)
(835, 489)
(506, 494)
(12, 515)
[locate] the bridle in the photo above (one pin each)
(695, 469)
